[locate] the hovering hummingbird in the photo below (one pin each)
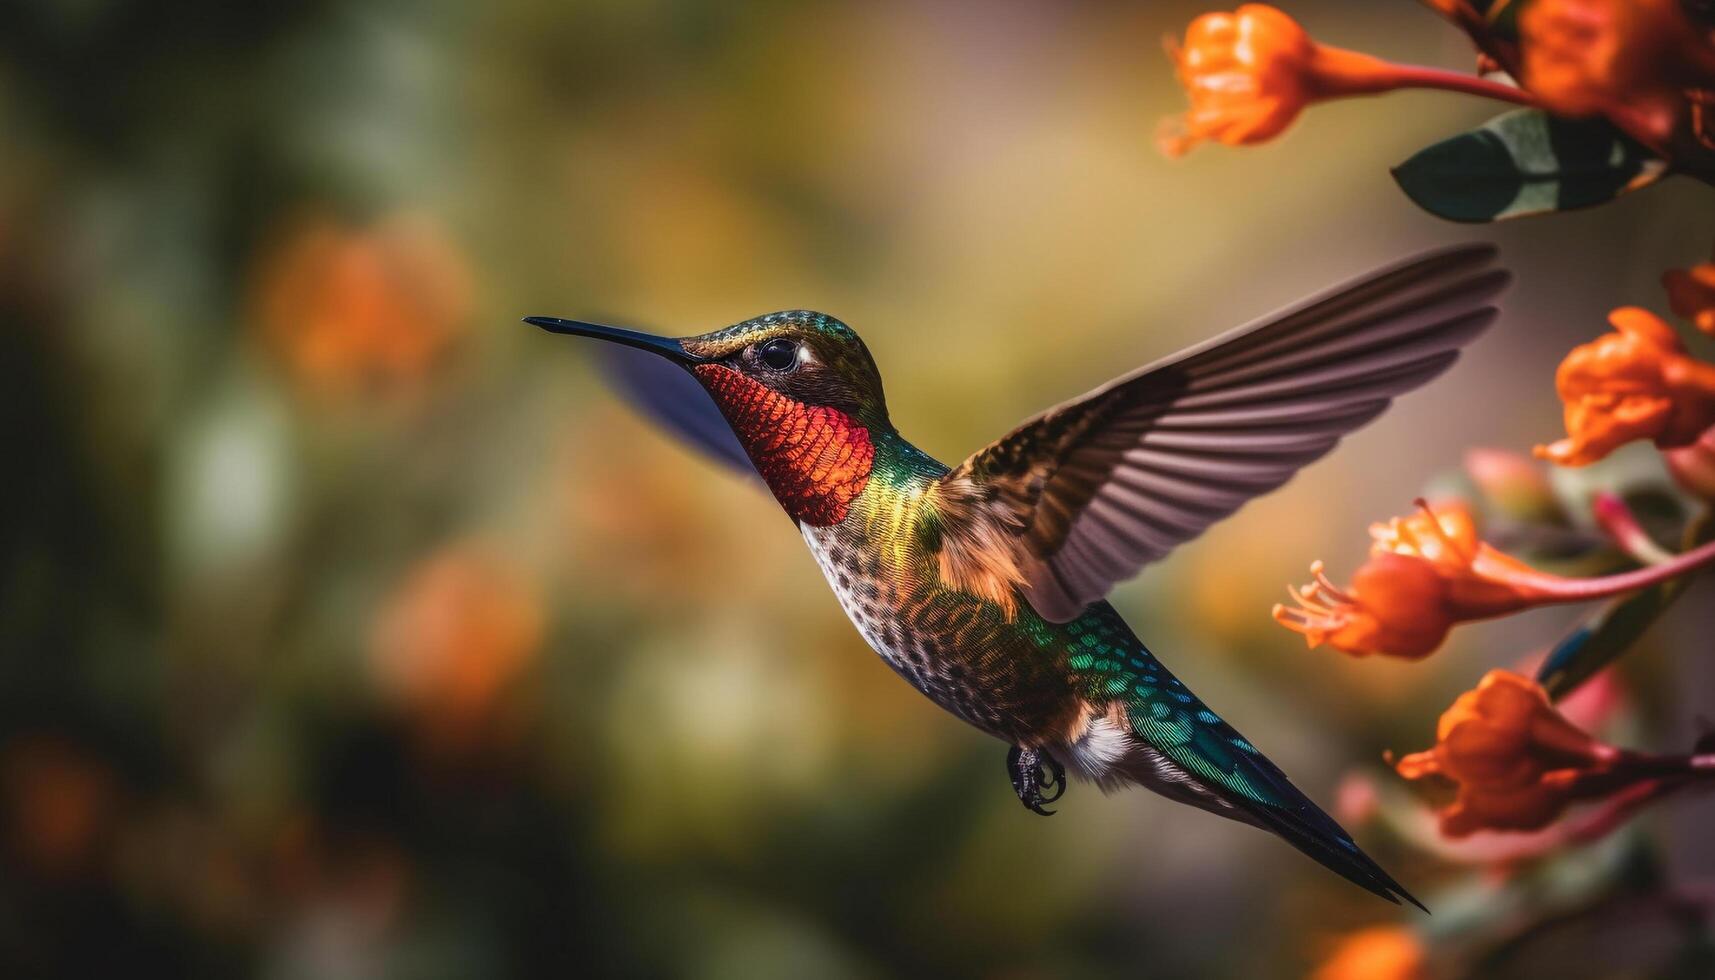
(982, 584)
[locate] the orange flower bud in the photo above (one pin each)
(1691, 293)
(1635, 383)
(1517, 761)
(1629, 60)
(1376, 953)
(1251, 72)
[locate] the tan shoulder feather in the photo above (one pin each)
(976, 543)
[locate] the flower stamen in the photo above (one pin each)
(1325, 585)
(1440, 531)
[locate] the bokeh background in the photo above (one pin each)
(349, 628)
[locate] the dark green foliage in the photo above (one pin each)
(1502, 16)
(1611, 630)
(1523, 163)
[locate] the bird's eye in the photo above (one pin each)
(780, 354)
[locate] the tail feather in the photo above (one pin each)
(1280, 807)
(1181, 749)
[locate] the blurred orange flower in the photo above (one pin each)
(1635, 383)
(348, 307)
(1629, 60)
(1428, 572)
(1376, 953)
(59, 802)
(446, 644)
(1250, 73)
(1691, 293)
(1517, 761)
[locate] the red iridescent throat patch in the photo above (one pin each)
(816, 459)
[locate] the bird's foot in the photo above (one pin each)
(1033, 772)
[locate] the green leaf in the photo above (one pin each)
(1498, 18)
(1610, 631)
(1603, 636)
(1526, 162)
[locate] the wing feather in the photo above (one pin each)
(1096, 488)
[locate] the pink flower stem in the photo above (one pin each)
(1553, 588)
(1619, 810)
(1419, 76)
(1649, 765)
(1622, 525)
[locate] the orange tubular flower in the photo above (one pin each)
(1429, 572)
(1250, 73)
(1426, 572)
(1691, 293)
(1635, 383)
(1629, 60)
(1519, 764)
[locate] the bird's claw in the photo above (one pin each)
(1033, 772)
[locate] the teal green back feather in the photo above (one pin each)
(1111, 664)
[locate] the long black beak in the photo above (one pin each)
(665, 346)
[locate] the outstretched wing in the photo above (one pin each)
(1089, 492)
(667, 395)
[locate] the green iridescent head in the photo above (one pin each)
(806, 356)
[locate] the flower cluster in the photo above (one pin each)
(1517, 763)
(1615, 95)
(1645, 67)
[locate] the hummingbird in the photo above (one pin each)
(982, 584)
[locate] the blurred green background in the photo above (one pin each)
(349, 628)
